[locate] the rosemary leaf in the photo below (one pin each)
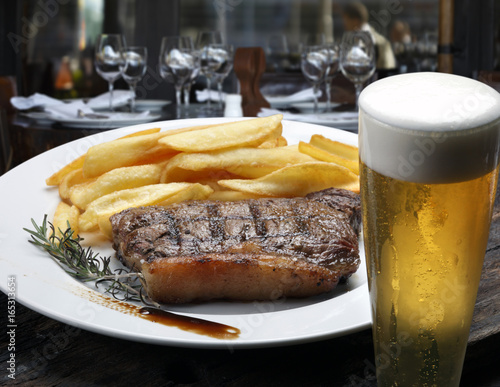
(85, 265)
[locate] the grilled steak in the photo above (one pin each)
(256, 249)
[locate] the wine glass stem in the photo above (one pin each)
(315, 96)
(187, 92)
(328, 96)
(219, 88)
(110, 83)
(209, 86)
(132, 100)
(178, 90)
(358, 87)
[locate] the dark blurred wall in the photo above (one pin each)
(9, 25)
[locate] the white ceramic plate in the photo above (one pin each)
(333, 120)
(150, 104)
(308, 107)
(283, 101)
(124, 119)
(44, 287)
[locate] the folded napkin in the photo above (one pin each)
(70, 110)
(120, 97)
(334, 116)
(67, 110)
(35, 100)
(202, 95)
(300, 96)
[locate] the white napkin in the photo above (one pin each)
(67, 110)
(300, 96)
(120, 97)
(202, 95)
(35, 100)
(334, 116)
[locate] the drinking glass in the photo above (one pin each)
(278, 52)
(428, 180)
(333, 67)
(357, 58)
(134, 68)
(314, 64)
(109, 59)
(177, 62)
(225, 54)
(208, 61)
(186, 88)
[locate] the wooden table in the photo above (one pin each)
(50, 353)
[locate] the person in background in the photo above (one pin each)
(355, 17)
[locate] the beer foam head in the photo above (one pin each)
(429, 127)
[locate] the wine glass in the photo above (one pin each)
(333, 67)
(357, 58)
(177, 62)
(186, 88)
(314, 64)
(278, 52)
(109, 59)
(208, 63)
(134, 68)
(224, 53)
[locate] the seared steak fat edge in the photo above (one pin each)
(256, 249)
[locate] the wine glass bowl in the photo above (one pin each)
(178, 60)
(314, 64)
(210, 61)
(109, 59)
(357, 58)
(333, 52)
(134, 68)
(224, 54)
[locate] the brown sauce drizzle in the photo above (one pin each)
(190, 324)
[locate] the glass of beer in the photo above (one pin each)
(429, 147)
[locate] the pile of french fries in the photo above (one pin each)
(229, 161)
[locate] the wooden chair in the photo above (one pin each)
(8, 89)
(6, 153)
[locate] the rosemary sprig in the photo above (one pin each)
(84, 265)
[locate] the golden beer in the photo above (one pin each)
(427, 188)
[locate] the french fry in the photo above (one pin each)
(322, 155)
(65, 214)
(348, 152)
(246, 133)
(149, 195)
(125, 152)
(115, 180)
(297, 180)
(191, 192)
(274, 143)
(242, 162)
(57, 177)
(70, 180)
(142, 132)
